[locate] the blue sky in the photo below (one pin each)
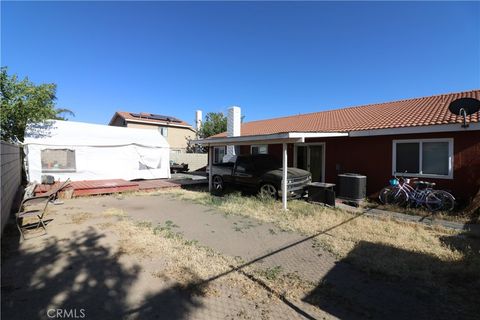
(270, 58)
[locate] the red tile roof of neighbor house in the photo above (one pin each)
(397, 114)
(144, 118)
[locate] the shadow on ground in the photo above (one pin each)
(79, 273)
(450, 291)
(82, 272)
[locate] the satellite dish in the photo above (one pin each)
(464, 107)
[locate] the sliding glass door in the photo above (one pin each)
(310, 157)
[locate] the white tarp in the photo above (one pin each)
(84, 151)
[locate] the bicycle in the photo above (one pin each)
(400, 192)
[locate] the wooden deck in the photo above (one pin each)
(95, 187)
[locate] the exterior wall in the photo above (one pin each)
(277, 149)
(372, 156)
(11, 178)
(177, 137)
(195, 161)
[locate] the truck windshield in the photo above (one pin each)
(266, 162)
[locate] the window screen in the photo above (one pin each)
(435, 158)
(408, 159)
(260, 149)
(58, 160)
(424, 157)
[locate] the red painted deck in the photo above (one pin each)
(94, 187)
(156, 184)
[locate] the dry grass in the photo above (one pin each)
(403, 250)
(81, 217)
(455, 216)
(182, 261)
(115, 212)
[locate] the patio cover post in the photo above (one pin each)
(284, 179)
(210, 160)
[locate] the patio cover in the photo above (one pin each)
(283, 138)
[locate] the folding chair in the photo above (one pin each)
(39, 213)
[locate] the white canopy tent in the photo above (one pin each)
(84, 151)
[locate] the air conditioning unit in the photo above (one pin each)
(352, 186)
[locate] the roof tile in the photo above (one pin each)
(396, 114)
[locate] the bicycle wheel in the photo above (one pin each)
(384, 195)
(400, 198)
(393, 195)
(439, 200)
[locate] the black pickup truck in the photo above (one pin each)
(260, 173)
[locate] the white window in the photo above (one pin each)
(423, 158)
(259, 149)
(218, 154)
(58, 160)
(163, 131)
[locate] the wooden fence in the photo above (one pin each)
(10, 179)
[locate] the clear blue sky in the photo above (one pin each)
(271, 58)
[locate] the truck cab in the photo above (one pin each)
(259, 173)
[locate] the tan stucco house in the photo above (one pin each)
(176, 131)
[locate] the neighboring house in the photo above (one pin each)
(176, 132)
(413, 137)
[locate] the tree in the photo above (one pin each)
(23, 102)
(215, 122)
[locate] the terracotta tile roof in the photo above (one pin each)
(128, 116)
(397, 114)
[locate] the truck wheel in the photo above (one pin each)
(218, 185)
(268, 190)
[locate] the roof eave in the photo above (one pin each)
(161, 123)
(114, 117)
(284, 137)
(299, 137)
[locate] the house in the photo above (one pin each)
(412, 137)
(84, 151)
(178, 133)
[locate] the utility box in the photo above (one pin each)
(321, 192)
(352, 186)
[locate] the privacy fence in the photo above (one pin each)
(11, 178)
(195, 161)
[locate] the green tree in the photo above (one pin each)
(23, 102)
(215, 122)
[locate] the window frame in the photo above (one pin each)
(420, 151)
(258, 146)
(163, 129)
(53, 170)
(224, 153)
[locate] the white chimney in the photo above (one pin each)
(233, 130)
(233, 122)
(198, 120)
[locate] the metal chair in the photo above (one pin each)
(40, 212)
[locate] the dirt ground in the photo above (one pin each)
(155, 257)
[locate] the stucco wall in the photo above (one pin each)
(11, 178)
(177, 137)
